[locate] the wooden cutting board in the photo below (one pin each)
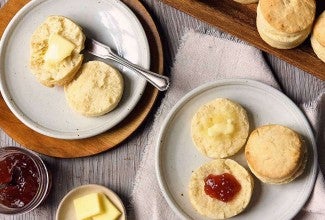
(90, 146)
(239, 20)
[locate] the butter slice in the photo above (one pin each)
(88, 206)
(110, 210)
(58, 49)
(221, 128)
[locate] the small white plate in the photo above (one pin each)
(45, 110)
(66, 208)
(177, 156)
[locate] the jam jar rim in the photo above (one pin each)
(44, 186)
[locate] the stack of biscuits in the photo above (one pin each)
(318, 37)
(285, 24)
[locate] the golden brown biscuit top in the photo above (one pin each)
(289, 16)
(274, 151)
(319, 29)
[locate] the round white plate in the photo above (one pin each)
(66, 208)
(177, 157)
(45, 110)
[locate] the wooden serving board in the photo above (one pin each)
(90, 146)
(240, 20)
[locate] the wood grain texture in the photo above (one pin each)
(240, 20)
(8, 11)
(90, 146)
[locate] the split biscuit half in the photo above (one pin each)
(61, 72)
(220, 128)
(214, 208)
(96, 90)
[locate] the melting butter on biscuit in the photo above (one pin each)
(59, 48)
(221, 128)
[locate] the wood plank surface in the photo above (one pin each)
(239, 20)
(90, 146)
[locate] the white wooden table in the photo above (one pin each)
(116, 168)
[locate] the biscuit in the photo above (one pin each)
(219, 128)
(62, 72)
(212, 207)
(285, 24)
(275, 154)
(96, 90)
(246, 1)
(318, 37)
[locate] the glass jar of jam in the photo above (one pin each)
(24, 180)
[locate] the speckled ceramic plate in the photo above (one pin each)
(45, 110)
(177, 157)
(66, 209)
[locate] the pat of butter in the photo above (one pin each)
(221, 128)
(110, 211)
(58, 49)
(88, 206)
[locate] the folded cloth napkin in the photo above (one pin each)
(204, 58)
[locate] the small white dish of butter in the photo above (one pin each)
(91, 202)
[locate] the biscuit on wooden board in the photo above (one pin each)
(246, 1)
(285, 24)
(318, 37)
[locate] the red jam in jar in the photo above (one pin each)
(19, 180)
(223, 187)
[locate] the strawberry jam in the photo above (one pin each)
(19, 180)
(223, 187)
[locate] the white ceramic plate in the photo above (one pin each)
(66, 208)
(177, 157)
(45, 110)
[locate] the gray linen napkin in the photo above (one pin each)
(200, 59)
